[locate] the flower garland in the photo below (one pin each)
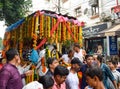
(77, 32)
(21, 41)
(32, 30)
(45, 26)
(59, 33)
(36, 29)
(54, 35)
(69, 37)
(29, 28)
(80, 36)
(64, 32)
(49, 26)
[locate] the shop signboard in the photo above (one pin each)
(113, 45)
(91, 31)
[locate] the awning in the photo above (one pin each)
(115, 30)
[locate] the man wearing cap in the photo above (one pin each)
(72, 81)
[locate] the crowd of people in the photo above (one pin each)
(83, 72)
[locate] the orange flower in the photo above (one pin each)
(79, 75)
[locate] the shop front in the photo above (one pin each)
(112, 40)
(95, 42)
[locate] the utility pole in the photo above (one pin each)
(59, 6)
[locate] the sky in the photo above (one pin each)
(37, 5)
(2, 28)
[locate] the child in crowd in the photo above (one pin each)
(113, 65)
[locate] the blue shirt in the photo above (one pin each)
(118, 69)
(83, 70)
(106, 74)
(50, 73)
(10, 78)
(34, 56)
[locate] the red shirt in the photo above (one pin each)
(56, 86)
(1, 65)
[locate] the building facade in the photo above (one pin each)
(98, 15)
(90, 11)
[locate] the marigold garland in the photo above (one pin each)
(36, 29)
(54, 35)
(21, 41)
(64, 32)
(49, 26)
(77, 33)
(33, 18)
(59, 33)
(68, 34)
(45, 26)
(80, 36)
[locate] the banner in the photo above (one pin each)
(113, 45)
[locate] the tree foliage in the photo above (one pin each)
(13, 10)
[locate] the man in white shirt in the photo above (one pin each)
(45, 82)
(79, 53)
(72, 81)
(33, 85)
(68, 57)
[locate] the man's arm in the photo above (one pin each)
(115, 84)
(110, 75)
(27, 73)
(119, 81)
(4, 77)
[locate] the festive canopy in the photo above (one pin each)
(44, 25)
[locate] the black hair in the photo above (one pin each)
(1, 60)
(114, 62)
(50, 61)
(55, 47)
(86, 57)
(77, 45)
(61, 70)
(59, 54)
(100, 58)
(94, 71)
(10, 54)
(76, 60)
(46, 81)
(70, 51)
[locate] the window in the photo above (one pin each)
(94, 7)
(78, 11)
(93, 3)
